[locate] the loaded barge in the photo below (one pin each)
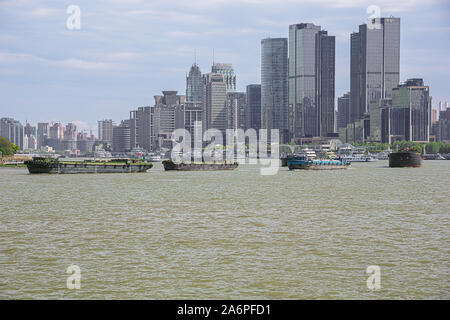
(201, 166)
(55, 166)
(405, 159)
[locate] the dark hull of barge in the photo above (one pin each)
(170, 165)
(405, 159)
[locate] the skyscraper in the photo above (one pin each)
(193, 119)
(29, 130)
(374, 64)
(194, 85)
(122, 137)
(343, 117)
(70, 137)
(56, 136)
(311, 81)
(409, 115)
(442, 126)
(105, 128)
(43, 133)
(236, 109)
(57, 131)
(167, 115)
(141, 129)
(274, 85)
(215, 113)
(253, 115)
(12, 130)
(433, 116)
(443, 106)
(415, 96)
(226, 69)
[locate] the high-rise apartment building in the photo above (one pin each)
(56, 136)
(43, 133)
(311, 81)
(70, 137)
(105, 128)
(29, 130)
(274, 86)
(13, 131)
(57, 131)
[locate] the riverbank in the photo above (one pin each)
(13, 165)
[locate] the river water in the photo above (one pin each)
(227, 235)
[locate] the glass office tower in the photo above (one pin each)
(274, 85)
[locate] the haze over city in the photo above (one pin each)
(128, 51)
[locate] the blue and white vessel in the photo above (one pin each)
(317, 164)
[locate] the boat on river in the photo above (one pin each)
(317, 164)
(405, 159)
(198, 166)
(56, 166)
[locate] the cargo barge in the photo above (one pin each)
(317, 164)
(200, 166)
(405, 159)
(55, 166)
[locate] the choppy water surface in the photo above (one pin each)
(220, 235)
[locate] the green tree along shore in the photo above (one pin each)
(7, 148)
(430, 147)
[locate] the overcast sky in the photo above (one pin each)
(129, 50)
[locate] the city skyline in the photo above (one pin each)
(82, 76)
